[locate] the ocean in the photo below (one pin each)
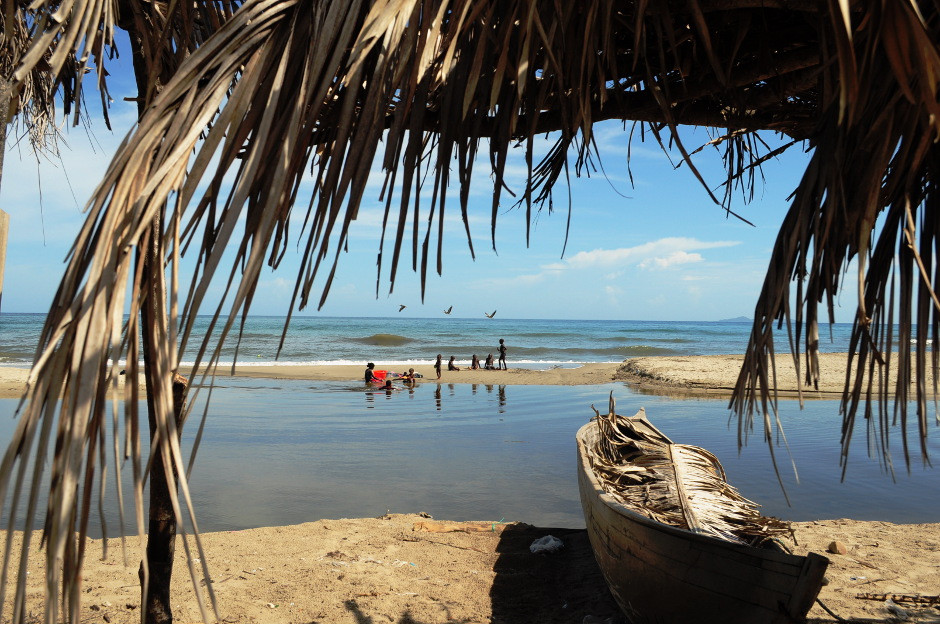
(277, 452)
(398, 341)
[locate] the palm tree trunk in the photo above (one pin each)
(161, 529)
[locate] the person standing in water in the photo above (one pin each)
(437, 366)
(502, 355)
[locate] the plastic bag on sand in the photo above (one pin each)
(897, 611)
(547, 544)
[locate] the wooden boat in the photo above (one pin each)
(663, 573)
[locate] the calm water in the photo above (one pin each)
(283, 452)
(408, 341)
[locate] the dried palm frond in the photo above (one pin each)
(675, 484)
(29, 104)
(62, 42)
(424, 86)
(870, 194)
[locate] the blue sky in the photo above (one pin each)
(658, 249)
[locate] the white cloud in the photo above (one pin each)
(676, 257)
(654, 254)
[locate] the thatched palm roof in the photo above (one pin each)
(285, 86)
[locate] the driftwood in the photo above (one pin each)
(912, 598)
(460, 527)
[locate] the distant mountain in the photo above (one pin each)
(737, 319)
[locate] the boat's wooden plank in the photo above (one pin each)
(720, 557)
(705, 568)
(716, 555)
(769, 559)
(811, 581)
(648, 587)
(759, 591)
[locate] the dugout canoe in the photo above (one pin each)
(661, 573)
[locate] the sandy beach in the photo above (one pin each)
(411, 568)
(13, 380)
(716, 375)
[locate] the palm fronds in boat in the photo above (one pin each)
(676, 484)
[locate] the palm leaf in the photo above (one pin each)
(675, 484)
(283, 87)
(868, 194)
(63, 42)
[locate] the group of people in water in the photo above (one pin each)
(385, 379)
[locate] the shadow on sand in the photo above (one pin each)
(552, 588)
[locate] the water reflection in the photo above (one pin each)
(413, 390)
(388, 389)
(329, 454)
(373, 393)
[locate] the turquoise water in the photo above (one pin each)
(279, 452)
(408, 341)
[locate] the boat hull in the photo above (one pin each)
(660, 573)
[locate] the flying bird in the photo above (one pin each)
(490, 315)
(401, 307)
(447, 311)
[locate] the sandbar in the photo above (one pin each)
(13, 380)
(716, 375)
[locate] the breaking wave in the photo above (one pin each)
(383, 340)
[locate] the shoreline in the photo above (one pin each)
(409, 567)
(13, 379)
(711, 376)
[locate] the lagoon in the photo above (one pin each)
(280, 452)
